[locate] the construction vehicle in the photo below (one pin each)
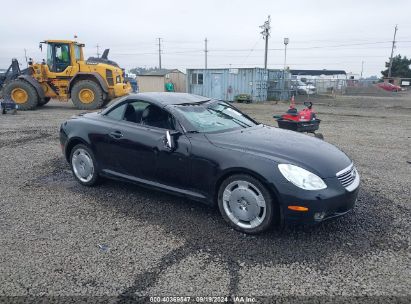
(90, 83)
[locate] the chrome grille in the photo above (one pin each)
(347, 176)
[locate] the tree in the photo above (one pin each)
(140, 70)
(400, 67)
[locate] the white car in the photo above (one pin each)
(303, 88)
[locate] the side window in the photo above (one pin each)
(134, 111)
(117, 113)
(50, 57)
(197, 78)
(194, 78)
(200, 78)
(154, 116)
(77, 52)
(144, 113)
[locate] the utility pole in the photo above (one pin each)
(25, 56)
(159, 53)
(392, 51)
(205, 52)
(362, 67)
(266, 33)
(98, 50)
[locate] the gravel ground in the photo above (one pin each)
(61, 239)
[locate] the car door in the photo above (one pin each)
(134, 147)
(149, 159)
(174, 166)
(138, 155)
(106, 139)
(157, 163)
(128, 144)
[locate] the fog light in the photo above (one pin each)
(318, 216)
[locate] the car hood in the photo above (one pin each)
(285, 146)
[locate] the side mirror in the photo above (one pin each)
(170, 141)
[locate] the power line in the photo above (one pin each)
(252, 50)
(307, 48)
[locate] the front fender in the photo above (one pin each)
(35, 84)
(260, 168)
(91, 75)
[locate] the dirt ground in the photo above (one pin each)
(58, 238)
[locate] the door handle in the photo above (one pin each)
(116, 134)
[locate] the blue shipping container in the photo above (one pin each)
(225, 84)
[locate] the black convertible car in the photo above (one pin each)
(209, 151)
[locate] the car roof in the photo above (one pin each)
(163, 99)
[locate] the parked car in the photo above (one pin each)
(389, 87)
(303, 88)
(210, 151)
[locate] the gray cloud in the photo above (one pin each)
(321, 32)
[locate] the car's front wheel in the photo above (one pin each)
(246, 204)
(83, 165)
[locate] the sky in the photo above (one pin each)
(345, 35)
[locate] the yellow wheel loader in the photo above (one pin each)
(90, 83)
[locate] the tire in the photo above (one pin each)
(87, 95)
(84, 166)
(22, 93)
(43, 102)
(237, 201)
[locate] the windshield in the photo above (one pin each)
(214, 116)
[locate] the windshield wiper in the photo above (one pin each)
(239, 122)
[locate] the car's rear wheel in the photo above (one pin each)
(246, 204)
(84, 166)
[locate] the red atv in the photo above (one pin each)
(303, 121)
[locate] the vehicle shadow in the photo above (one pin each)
(202, 229)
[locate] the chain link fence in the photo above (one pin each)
(279, 89)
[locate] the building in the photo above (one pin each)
(155, 81)
(226, 84)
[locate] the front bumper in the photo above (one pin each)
(121, 89)
(322, 205)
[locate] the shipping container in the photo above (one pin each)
(226, 84)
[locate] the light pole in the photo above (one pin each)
(286, 41)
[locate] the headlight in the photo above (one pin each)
(301, 178)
